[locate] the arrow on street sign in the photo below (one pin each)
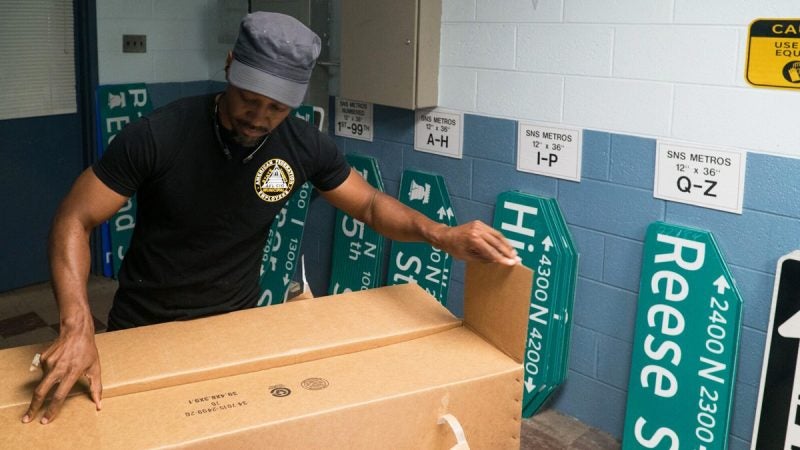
(721, 283)
(547, 242)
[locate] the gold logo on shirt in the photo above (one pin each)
(274, 180)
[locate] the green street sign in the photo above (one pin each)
(305, 112)
(279, 261)
(537, 229)
(357, 248)
(686, 344)
(117, 106)
(416, 262)
(281, 253)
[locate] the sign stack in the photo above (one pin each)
(281, 252)
(357, 249)
(415, 262)
(117, 106)
(686, 344)
(537, 229)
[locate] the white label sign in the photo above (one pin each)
(700, 176)
(554, 152)
(353, 119)
(440, 132)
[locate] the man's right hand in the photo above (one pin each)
(72, 355)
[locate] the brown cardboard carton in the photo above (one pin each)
(376, 369)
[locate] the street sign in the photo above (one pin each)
(117, 106)
(439, 132)
(357, 249)
(417, 262)
(777, 425)
(685, 346)
(282, 247)
(553, 152)
(281, 252)
(700, 176)
(353, 119)
(536, 228)
(773, 53)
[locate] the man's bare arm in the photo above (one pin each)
(74, 353)
(472, 241)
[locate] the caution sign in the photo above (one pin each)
(773, 53)
(778, 414)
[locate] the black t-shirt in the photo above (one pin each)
(202, 219)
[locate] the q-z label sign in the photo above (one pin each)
(700, 176)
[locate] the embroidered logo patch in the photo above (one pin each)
(274, 180)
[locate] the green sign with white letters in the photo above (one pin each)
(282, 250)
(421, 263)
(117, 106)
(357, 249)
(686, 344)
(536, 228)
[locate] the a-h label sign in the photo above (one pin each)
(777, 424)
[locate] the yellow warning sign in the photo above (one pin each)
(773, 53)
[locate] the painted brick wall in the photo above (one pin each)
(183, 39)
(662, 68)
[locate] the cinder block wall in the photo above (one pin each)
(183, 39)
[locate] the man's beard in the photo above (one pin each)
(248, 141)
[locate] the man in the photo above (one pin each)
(211, 173)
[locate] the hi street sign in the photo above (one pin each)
(536, 228)
(416, 262)
(117, 106)
(686, 344)
(357, 248)
(777, 415)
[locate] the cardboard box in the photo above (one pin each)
(372, 369)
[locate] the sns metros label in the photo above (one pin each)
(686, 344)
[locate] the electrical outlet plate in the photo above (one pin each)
(134, 43)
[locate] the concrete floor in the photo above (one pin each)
(29, 316)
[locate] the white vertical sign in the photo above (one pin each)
(353, 119)
(701, 176)
(440, 132)
(554, 152)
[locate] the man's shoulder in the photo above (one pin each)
(199, 105)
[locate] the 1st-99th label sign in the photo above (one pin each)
(700, 176)
(353, 119)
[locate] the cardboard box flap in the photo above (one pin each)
(497, 303)
(176, 353)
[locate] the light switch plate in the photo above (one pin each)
(134, 43)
